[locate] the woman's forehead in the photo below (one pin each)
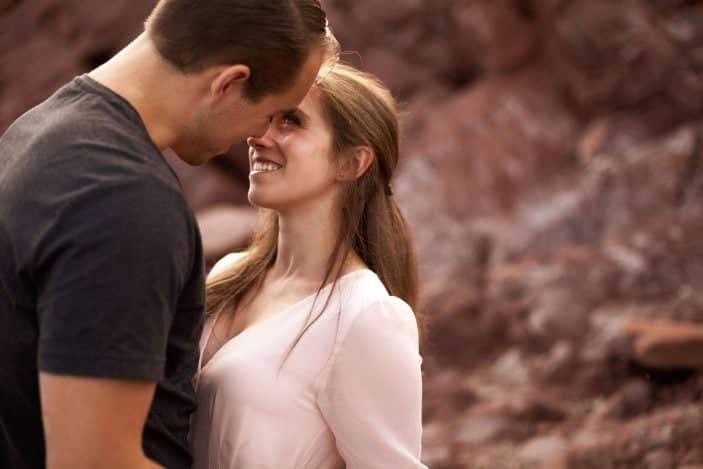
(311, 103)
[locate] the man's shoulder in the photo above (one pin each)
(78, 126)
(63, 144)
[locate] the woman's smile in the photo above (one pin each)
(264, 167)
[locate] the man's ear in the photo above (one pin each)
(354, 164)
(227, 78)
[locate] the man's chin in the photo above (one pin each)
(195, 157)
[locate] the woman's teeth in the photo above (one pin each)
(265, 166)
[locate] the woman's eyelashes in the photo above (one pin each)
(291, 119)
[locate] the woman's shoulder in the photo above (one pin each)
(390, 311)
(363, 287)
(226, 262)
(367, 304)
(386, 326)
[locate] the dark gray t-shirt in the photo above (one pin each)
(101, 268)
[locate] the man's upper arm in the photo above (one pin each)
(108, 270)
(108, 277)
(94, 422)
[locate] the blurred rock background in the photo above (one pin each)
(553, 177)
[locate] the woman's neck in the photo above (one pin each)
(306, 243)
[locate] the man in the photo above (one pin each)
(101, 272)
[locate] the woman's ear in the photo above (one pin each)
(227, 78)
(354, 164)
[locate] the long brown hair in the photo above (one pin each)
(272, 37)
(361, 112)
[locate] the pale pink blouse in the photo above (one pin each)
(349, 393)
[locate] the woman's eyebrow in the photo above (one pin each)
(296, 111)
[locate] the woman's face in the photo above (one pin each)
(292, 164)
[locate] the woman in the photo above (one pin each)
(311, 350)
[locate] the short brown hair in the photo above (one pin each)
(272, 37)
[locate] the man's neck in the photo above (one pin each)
(145, 80)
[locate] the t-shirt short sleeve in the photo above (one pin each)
(109, 269)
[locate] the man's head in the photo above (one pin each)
(256, 57)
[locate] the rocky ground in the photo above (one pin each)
(553, 177)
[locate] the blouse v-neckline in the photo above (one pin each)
(262, 322)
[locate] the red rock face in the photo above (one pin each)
(45, 43)
(552, 173)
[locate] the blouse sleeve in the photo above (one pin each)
(372, 397)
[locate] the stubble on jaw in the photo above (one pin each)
(193, 141)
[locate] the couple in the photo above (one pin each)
(304, 351)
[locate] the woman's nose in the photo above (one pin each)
(258, 141)
(261, 138)
(255, 142)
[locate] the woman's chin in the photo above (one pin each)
(261, 201)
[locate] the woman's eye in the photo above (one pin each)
(290, 119)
